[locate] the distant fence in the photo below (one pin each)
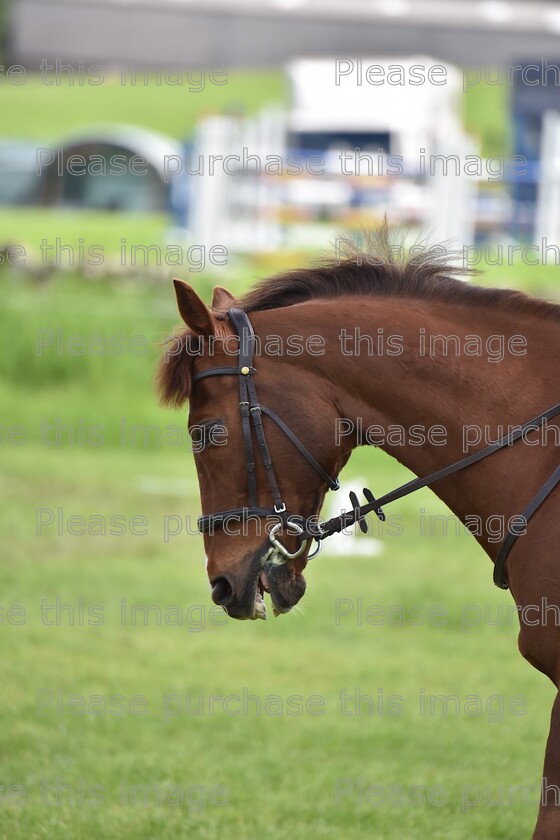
(279, 196)
(266, 210)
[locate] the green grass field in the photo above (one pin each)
(39, 111)
(264, 772)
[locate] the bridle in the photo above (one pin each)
(251, 411)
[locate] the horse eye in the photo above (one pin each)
(197, 435)
(201, 434)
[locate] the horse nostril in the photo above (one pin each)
(222, 591)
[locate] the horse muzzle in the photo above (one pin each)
(241, 594)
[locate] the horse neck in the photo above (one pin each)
(463, 394)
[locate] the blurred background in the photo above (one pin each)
(113, 114)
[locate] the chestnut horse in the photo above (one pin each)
(371, 341)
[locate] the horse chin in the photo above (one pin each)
(284, 585)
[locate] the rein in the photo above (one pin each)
(338, 523)
(251, 419)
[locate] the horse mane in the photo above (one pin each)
(382, 270)
(378, 270)
(173, 380)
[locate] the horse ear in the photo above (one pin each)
(193, 310)
(222, 300)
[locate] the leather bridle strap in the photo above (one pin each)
(516, 530)
(332, 483)
(246, 351)
(208, 522)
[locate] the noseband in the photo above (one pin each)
(251, 411)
